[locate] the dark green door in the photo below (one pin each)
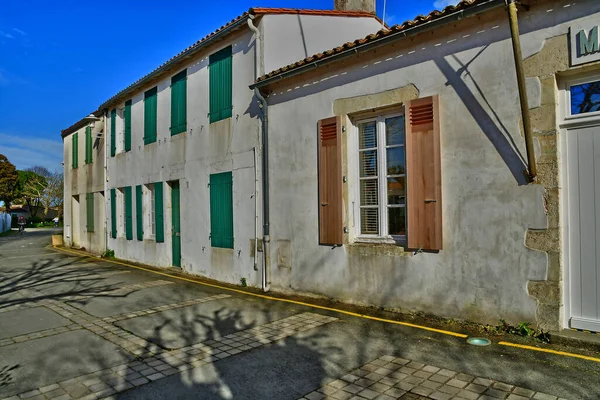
(176, 224)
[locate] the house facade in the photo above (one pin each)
(401, 170)
(182, 175)
(84, 178)
(389, 171)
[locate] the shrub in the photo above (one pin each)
(109, 254)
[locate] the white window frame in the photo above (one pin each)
(120, 192)
(120, 128)
(382, 176)
(568, 116)
(149, 209)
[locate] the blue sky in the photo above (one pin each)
(59, 60)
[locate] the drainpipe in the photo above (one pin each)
(516, 42)
(255, 211)
(266, 280)
(106, 177)
(265, 175)
(257, 46)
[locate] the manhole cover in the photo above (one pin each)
(477, 341)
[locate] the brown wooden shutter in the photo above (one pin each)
(331, 230)
(424, 173)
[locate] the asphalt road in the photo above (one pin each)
(75, 327)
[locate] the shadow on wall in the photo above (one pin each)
(476, 103)
(496, 132)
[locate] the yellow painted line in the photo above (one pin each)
(262, 296)
(560, 353)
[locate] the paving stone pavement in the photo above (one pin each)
(106, 382)
(389, 377)
(174, 340)
(103, 326)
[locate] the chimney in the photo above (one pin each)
(355, 5)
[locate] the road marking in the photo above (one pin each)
(560, 353)
(369, 317)
(262, 296)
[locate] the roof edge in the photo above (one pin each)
(304, 11)
(79, 124)
(410, 28)
(193, 49)
(226, 29)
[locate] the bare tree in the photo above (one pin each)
(53, 195)
(32, 186)
(41, 171)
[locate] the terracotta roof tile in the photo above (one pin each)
(330, 13)
(418, 20)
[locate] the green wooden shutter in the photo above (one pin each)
(88, 144)
(150, 114)
(128, 214)
(75, 149)
(179, 103)
(113, 132)
(139, 217)
(158, 212)
(221, 210)
(220, 77)
(127, 141)
(113, 213)
(89, 208)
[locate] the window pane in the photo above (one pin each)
(397, 221)
(585, 98)
(369, 194)
(369, 221)
(367, 133)
(394, 130)
(396, 191)
(395, 161)
(368, 163)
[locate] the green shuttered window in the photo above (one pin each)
(179, 103)
(127, 130)
(158, 212)
(139, 217)
(89, 208)
(128, 214)
(88, 144)
(221, 210)
(113, 213)
(220, 71)
(150, 115)
(75, 149)
(113, 132)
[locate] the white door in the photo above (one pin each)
(583, 176)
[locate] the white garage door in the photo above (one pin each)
(583, 174)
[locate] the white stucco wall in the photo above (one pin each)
(190, 158)
(86, 178)
(483, 270)
(290, 38)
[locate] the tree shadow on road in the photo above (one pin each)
(223, 349)
(58, 278)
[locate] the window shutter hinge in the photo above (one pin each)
(343, 128)
(346, 229)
